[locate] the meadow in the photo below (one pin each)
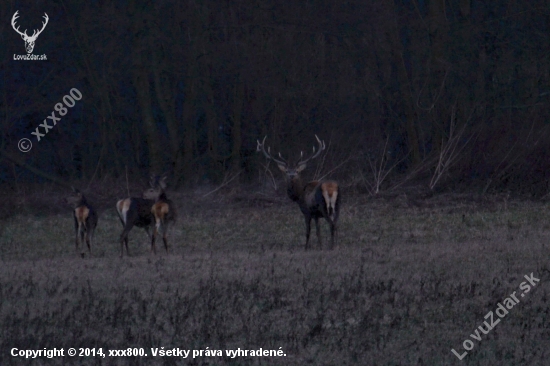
(409, 281)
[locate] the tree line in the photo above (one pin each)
(449, 93)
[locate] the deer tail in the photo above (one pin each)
(330, 194)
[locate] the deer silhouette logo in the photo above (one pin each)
(29, 40)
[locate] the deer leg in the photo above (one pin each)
(124, 241)
(84, 237)
(121, 246)
(332, 224)
(334, 227)
(76, 233)
(126, 244)
(308, 230)
(88, 243)
(333, 234)
(153, 242)
(164, 232)
(155, 232)
(76, 240)
(89, 237)
(82, 234)
(165, 242)
(318, 231)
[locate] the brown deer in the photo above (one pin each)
(163, 210)
(317, 199)
(85, 219)
(143, 212)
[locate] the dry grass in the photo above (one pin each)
(408, 282)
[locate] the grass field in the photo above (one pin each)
(408, 282)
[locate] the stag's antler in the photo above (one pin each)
(261, 147)
(43, 26)
(15, 16)
(315, 154)
(24, 34)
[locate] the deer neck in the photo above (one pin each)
(295, 188)
(162, 197)
(81, 202)
(158, 196)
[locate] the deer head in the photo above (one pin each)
(75, 198)
(29, 40)
(157, 186)
(291, 171)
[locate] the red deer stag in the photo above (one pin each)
(316, 199)
(143, 212)
(85, 219)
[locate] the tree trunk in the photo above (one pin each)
(405, 89)
(236, 133)
(166, 97)
(440, 114)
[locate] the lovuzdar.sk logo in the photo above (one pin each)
(29, 40)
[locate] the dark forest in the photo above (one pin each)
(448, 95)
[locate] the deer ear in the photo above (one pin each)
(282, 167)
(301, 167)
(162, 181)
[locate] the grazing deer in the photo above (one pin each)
(316, 199)
(153, 207)
(85, 219)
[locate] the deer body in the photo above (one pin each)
(321, 199)
(85, 219)
(316, 199)
(152, 208)
(164, 213)
(132, 212)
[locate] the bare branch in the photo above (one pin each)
(226, 180)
